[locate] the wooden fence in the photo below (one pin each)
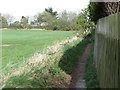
(107, 51)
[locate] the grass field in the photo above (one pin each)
(53, 71)
(23, 44)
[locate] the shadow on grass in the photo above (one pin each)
(70, 58)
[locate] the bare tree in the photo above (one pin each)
(112, 7)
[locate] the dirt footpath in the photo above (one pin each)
(78, 74)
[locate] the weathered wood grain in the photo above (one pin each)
(107, 51)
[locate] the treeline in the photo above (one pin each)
(50, 20)
(66, 20)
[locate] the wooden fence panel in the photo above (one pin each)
(107, 51)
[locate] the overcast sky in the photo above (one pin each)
(20, 8)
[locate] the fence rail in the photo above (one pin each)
(107, 51)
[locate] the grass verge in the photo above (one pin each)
(90, 72)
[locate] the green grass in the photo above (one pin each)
(25, 43)
(55, 71)
(58, 66)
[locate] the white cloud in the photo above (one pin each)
(31, 7)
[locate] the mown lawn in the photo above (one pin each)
(24, 43)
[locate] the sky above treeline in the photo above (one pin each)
(19, 8)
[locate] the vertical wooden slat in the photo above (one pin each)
(119, 48)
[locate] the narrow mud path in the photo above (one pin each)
(78, 74)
